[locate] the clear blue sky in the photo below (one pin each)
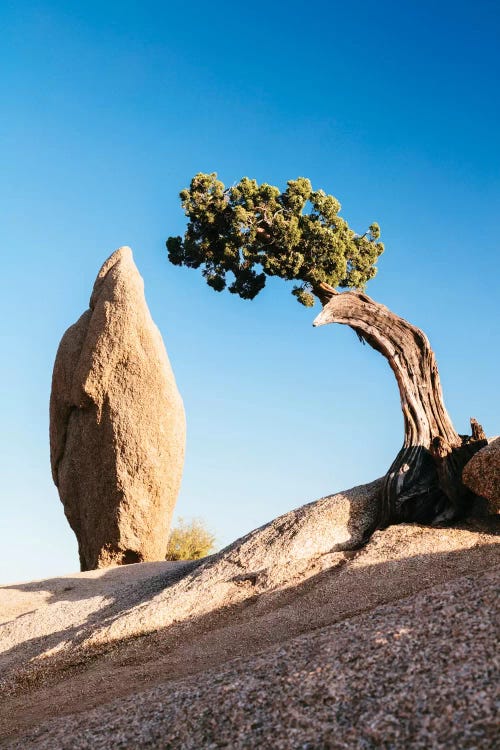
(108, 109)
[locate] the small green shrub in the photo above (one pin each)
(190, 540)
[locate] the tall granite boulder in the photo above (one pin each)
(482, 474)
(117, 424)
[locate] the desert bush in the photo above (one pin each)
(190, 540)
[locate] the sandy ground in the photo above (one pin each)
(19, 599)
(244, 650)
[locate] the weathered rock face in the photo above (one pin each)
(117, 424)
(482, 474)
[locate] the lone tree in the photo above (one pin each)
(242, 234)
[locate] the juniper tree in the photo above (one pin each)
(238, 236)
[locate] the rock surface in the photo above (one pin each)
(284, 552)
(117, 424)
(80, 655)
(415, 673)
(482, 474)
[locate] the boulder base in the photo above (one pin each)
(482, 474)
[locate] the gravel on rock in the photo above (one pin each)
(417, 673)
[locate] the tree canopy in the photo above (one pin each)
(241, 234)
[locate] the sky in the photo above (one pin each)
(108, 109)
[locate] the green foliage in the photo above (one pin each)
(240, 235)
(189, 540)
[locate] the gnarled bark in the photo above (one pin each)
(424, 481)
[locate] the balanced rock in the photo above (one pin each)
(117, 424)
(482, 474)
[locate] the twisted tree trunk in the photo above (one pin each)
(423, 483)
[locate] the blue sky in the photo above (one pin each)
(108, 109)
